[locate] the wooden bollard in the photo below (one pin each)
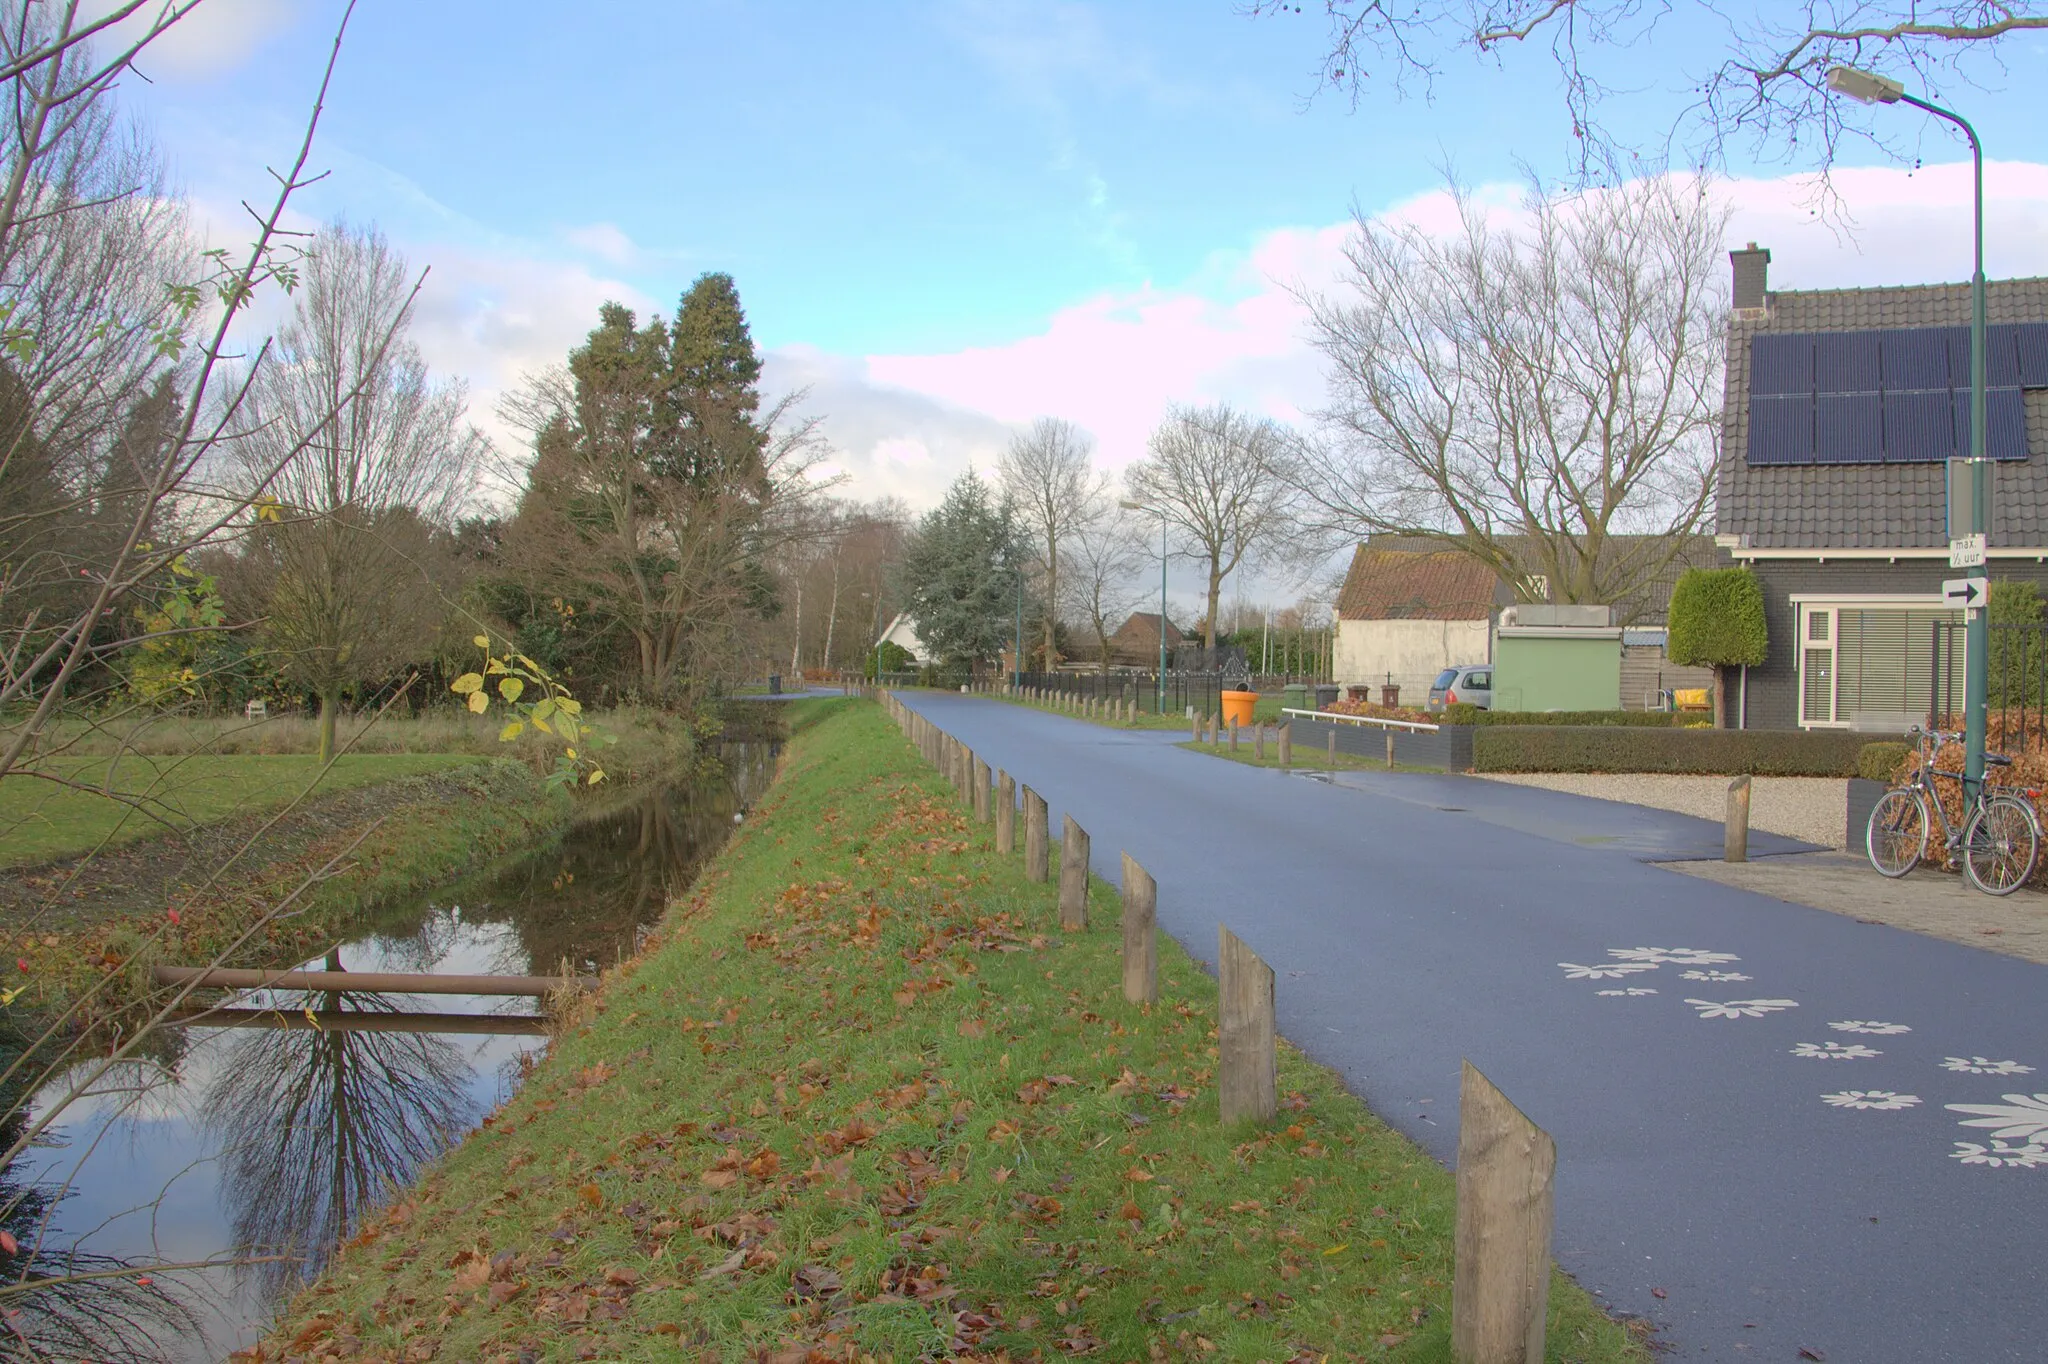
(1006, 813)
(1247, 1066)
(1390, 750)
(1233, 734)
(979, 780)
(1735, 838)
(1073, 874)
(1287, 744)
(1035, 835)
(1333, 748)
(1500, 1290)
(1141, 939)
(1259, 742)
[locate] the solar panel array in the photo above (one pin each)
(1897, 396)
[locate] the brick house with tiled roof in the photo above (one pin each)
(1842, 408)
(1136, 642)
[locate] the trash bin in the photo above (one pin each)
(1325, 697)
(1294, 696)
(774, 684)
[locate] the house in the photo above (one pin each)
(902, 632)
(1843, 408)
(1136, 642)
(1404, 615)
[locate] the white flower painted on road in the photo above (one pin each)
(1605, 970)
(1868, 1026)
(1633, 990)
(2020, 1157)
(1871, 1098)
(1714, 975)
(1683, 956)
(1741, 1008)
(2021, 1115)
(1977, 1065)
(1835, 1051)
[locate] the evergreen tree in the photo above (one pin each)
(716, 373)
(960, 574)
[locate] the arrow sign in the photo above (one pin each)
(1964, 592)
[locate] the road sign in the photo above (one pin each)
(1964, 592)
(1966, 551)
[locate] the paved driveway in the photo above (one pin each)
(1752, 1101)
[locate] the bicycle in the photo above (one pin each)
(2000, 837)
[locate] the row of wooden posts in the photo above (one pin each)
(1501, 1284)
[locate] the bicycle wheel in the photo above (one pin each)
(2000, 845)
(1897, 836)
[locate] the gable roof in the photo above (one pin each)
(1882, 505)
(1397, 584)
(1145, 625)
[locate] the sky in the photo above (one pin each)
(948, 217)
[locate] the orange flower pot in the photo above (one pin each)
(1237, 708)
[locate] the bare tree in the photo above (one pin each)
(1049, 477)
(1219, 477)
(1767, 88)
(370, 457)
(1529, 394)
(1103, 560)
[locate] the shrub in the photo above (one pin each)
(1462, 714)
(1883, 761)
(1718, 752)
(1717, 619)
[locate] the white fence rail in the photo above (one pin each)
(1415, 725)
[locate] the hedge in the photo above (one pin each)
(1463, 714)
(1717, 752)
(1881, 761)
(1717, 618)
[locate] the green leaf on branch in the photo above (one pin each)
(466, 684)
(510, 688)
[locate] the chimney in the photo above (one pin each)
(1752, 269)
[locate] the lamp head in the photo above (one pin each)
(1129, 505)
(1867, 86)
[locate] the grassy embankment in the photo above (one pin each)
(431, 799)
(862, 1099)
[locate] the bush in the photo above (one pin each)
(1882, 761)
(1717, 619)
(1716, 752)
(1462, 714)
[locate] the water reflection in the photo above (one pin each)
(269, 1146)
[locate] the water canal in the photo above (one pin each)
(266, 1146)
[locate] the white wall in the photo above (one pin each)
(1414, 651)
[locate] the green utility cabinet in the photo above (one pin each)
(1553, 667)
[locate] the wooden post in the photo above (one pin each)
(1247, 1066)
(1035, 834)
(1259, 742)
(1233, 734)
(1500, 1286)
(980, 784)
(1073, 874)
(1287, 744)
(1333, 748)
(1390, 750)
(1006, 813)
(1141, 943)
(1735, 838)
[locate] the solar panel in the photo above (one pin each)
(1919, 427)
(1845, 362)
(1848, 428)
(1781, 429)
(1781, 364)
(2002, 358)
(2005, 424)
(1914, 358)
(2033, 344)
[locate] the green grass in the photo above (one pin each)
(1306, 757)
(863, 1097)
(138, 795)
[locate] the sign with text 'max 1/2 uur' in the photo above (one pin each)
(1966, 551)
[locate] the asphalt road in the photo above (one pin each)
(1756, 1146)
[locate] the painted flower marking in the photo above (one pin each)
(2021, 1157)
(1977, 1065)
(2021, 1115)
(1605, 970)
(1683, 956)
(1633, 990)
(1835, 1051)
(1871, 1098)
(1714, 975)
(1741, 1008)
(1867, 1026)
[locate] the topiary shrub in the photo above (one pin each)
(1883, 761)
(1717, 621)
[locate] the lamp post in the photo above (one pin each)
(1159, 703)
(1017, 647)
(1975, 520)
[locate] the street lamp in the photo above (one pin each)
(1160, 703)
(1871, 88)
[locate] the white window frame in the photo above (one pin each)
(1803, 603)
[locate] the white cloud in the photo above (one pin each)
(605, 241)
(213, 39)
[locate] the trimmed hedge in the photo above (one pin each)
(1717, 619)
(1881, 761)
(1462, 714)
(1716, 752)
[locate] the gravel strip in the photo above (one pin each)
(1810, 809)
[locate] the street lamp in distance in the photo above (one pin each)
(1159, 702)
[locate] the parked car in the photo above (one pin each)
(1470, 683)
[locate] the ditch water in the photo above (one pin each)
(266, 1146)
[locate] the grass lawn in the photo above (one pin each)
(1267, 709)
(41, 820)
(862, 1098)
(1307, 757)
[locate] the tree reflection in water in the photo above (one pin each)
(319, 1126)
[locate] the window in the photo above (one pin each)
(1866, 656)
(1444, 679)
(1481, 681)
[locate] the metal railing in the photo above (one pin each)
(1416, 726)
(2016, 680)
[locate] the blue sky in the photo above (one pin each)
(946, 218)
